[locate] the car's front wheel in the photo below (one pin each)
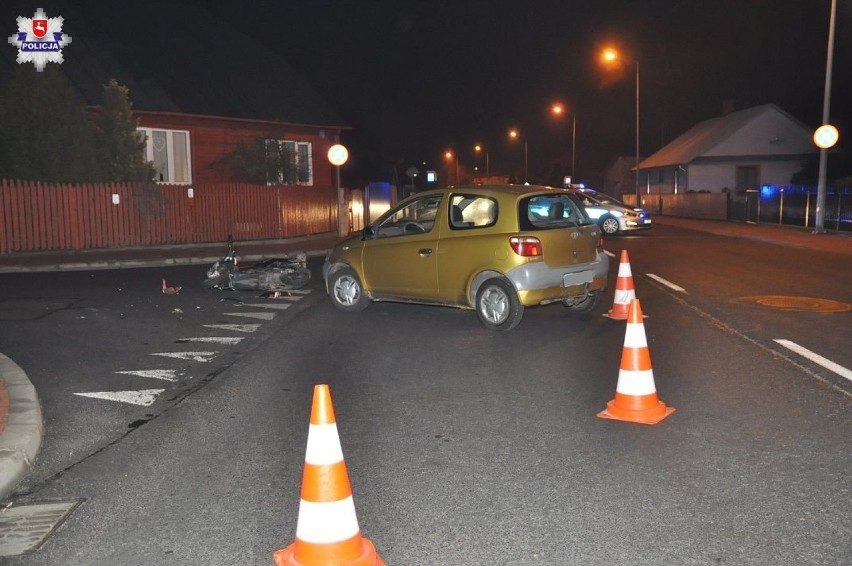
(497, 305)
(346, 292)
(609, 225)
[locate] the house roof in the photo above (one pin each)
(706, 135)
(179, 58)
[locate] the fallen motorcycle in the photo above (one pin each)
(272, 274)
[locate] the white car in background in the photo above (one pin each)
(612, 215)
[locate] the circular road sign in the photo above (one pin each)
(337, 154)
(826, 136)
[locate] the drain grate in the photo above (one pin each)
(788, 303)
(24, 528)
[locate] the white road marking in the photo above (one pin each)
(668, 284)
(143, 397)
(257, 315)
(166, 374)
(195, 356)
(268, 306)
(214, 339)
(816, 358)
(234, 327)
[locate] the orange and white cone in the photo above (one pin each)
(636, 398)
(327, 531)
(624, 292)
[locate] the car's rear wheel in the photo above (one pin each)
(346, 292)
(592, 300)
(609, 225)
(497, 305)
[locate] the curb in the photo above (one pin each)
(22, 435)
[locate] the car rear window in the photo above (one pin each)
(550, 210)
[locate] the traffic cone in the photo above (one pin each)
(624, 292)
(327, 531)
(636, 398)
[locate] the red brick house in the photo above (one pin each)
(200, 93)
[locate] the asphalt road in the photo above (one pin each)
(464, 447)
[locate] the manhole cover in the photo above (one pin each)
(787, 303)
(23, 528)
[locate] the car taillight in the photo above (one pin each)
(526, 246)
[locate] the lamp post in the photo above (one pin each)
(478, 149)
(819, 220)
(513, 135)
(557, 109)
(337, 156)
(610, 56)
(449, 156)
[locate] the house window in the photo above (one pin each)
(168, 151)
(748, 177)
(288, 163)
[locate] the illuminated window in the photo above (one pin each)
(169, 152)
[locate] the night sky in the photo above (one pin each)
(415, 78)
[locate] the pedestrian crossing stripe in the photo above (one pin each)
(195, 356)
(213, 339)
(143, 397)
(269, 306)
(234, 327)
(166, 374)
(257, 315)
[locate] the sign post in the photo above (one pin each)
(337, 156)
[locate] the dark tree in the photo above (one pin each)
(47, 133)
(121, 149)
(263, 161)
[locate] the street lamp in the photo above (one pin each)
(557, 109)
(449, 156)
(609, 57)
(513, 135)
(478, 149)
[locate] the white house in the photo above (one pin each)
(758, 146)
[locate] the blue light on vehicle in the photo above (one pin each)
(766, 191)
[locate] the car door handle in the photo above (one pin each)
(424, 251)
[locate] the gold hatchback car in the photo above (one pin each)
(492, 248)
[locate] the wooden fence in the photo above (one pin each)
(36, 216)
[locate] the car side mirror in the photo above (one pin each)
(367, 233)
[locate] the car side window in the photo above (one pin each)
(416, 217)
(467, 211)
